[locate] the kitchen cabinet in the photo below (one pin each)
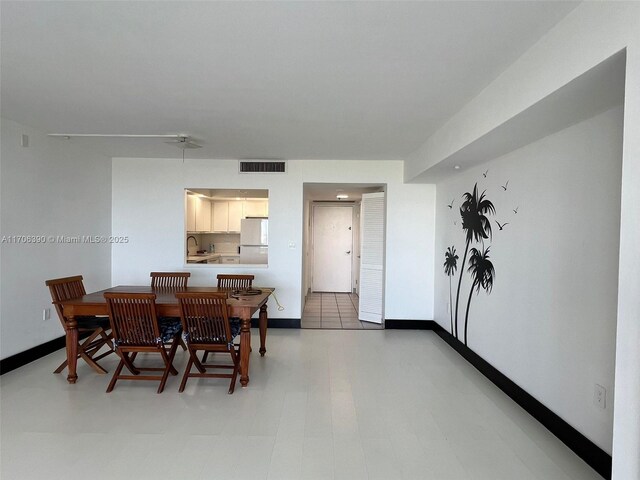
(234, 259)
(198, 214)
(220, 216)
(255, 208)
(227, 216)
(235, 215)
(191, 213)
(203, 215)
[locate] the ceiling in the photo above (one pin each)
(299, 80)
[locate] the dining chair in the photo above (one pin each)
(206, 327)
(235, 282)
(136, 329)
(97, 328)
(169, 280)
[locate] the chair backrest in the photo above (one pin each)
(169, 279)
(65, 288)
(133, 318)
(235, 282)
(205, 317)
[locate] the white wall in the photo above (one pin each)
(50, 187)
(148, 207)
(549, 323)
(591, 33)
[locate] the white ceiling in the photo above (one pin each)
(304, 80)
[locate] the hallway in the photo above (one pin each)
(338, 311)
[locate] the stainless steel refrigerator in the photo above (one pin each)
(254, 240)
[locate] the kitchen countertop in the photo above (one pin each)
(203, 257)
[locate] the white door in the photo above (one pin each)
(371, 257)
(332, 248)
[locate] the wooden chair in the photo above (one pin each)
(235, 282)
(206, 326)
(96, 327)
(170, 281)
(173, 280)
(136, 329)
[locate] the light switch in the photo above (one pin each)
(292, 244)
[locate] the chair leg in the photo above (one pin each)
(205, 356)
(185, 377)
(92, 363)
(116, 374)
(234, 375)
(129, 362)
(169, 364)
(62, 366)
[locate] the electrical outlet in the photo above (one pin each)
(46, 314)
(600, 396)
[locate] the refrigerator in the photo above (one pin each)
(254, 240)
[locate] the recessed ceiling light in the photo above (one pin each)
(342, 196)
(456, 167)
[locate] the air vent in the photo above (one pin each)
(263, 166)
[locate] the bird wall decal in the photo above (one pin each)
(504, 187)
(451, 204)
(515, 210)
(485, 173)
(501, 226)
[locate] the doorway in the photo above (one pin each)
(331, 266)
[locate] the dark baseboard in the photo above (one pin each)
(410, 324)
(593, 455)
(20, 359)
(278, 323)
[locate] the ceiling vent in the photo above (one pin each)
(263, 166)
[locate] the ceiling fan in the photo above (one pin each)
(180, 140)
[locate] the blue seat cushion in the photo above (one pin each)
(235, 327)
(170, 327)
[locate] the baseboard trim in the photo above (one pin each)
(593, 455)
(410, 324)
(278, 323)
(23, 358)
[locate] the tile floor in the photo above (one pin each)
(334, 311)
(322, 404)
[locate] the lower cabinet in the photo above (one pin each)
(230, 260)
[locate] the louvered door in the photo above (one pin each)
(372, 257)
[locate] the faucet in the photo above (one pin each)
(194, 239)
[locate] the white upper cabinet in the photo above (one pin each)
(255, 208)
(191, 213)
(235, 215)
(220, 216)
(198, 214)
(203, 215)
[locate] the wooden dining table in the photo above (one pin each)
(242, 307)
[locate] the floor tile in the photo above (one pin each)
(320, 404)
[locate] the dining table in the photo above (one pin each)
(242, 305)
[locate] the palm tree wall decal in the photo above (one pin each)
(450, 266)
(482, 274)
(474, 211)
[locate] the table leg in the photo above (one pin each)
(245, 348)
(263, 329)
(72, 349)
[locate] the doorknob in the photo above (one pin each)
(348, 252)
